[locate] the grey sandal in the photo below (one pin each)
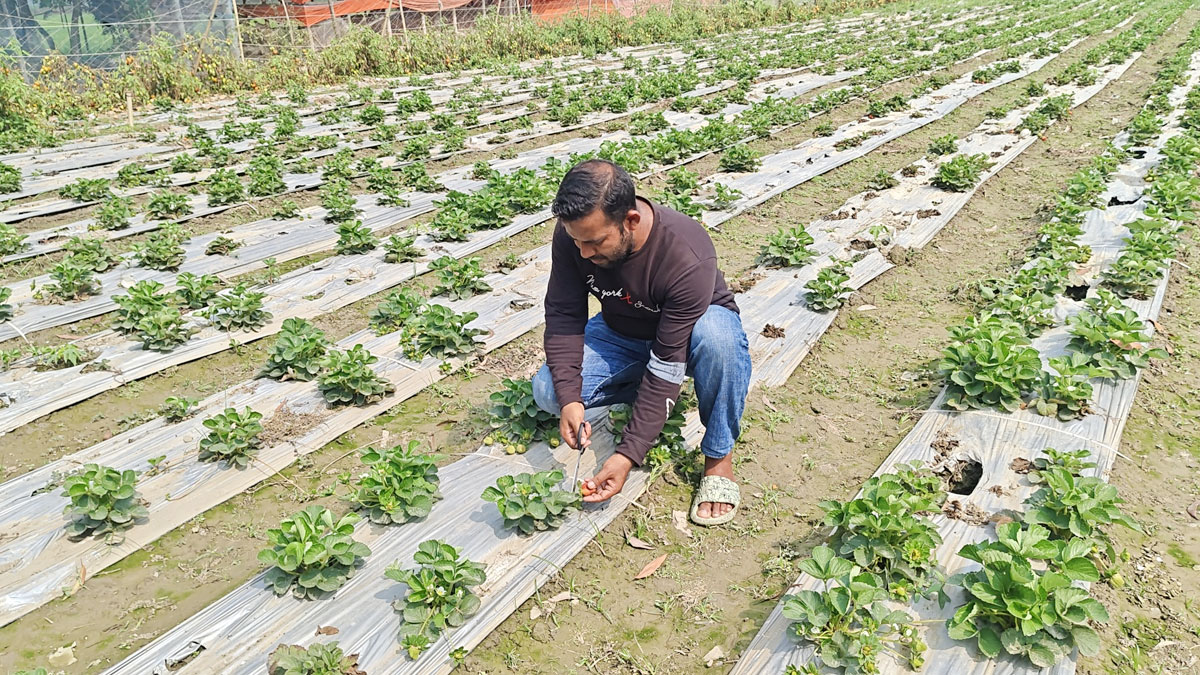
(717, 489)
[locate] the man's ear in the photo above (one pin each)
(633, 218)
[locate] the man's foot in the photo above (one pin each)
(716, 467)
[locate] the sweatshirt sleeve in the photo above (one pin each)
(566, 317)
(687, 300)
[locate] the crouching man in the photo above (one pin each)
(665, 313)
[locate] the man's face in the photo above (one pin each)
(604, 242)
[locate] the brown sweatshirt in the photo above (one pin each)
(657, 294)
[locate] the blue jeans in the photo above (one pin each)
(718, 361)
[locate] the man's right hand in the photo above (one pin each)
(568, 425)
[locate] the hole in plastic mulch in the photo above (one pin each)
(963, 476)
(1076, 292)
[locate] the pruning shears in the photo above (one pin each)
(579, 445)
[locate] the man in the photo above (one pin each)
(665, 312)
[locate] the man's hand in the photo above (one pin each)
(568, 426)
(610, 479)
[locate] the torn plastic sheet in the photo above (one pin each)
(995, 439)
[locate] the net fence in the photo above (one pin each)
(103, 34)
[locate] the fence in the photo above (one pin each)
(102, 34)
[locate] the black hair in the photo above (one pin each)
(592, 184)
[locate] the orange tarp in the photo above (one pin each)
(310, 12)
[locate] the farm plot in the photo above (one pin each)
(514, 569)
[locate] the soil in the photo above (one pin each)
(819, 436)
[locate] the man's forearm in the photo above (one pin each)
(656, 398)
(564, 357)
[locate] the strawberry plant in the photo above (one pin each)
(115, 213)
(265, 175)
(787, 247)
(286, 210)
(185, 163)
(222, 245)
(739, 159)
(883, 534)
(989, 363)
(1073, 461)
(132, 175)
(1144, 128)
(682, 203)
(1112, 337)
(943, 145)
(371, 115)
(882, 180)
(91, 252)
(401, 484)
(72, 280)
(177, 408)
(1067, 392)
(317, 659)
(195, 292)
(163, 330)
(401, 249)
(530, 501)
(6, 310)
(224, 188)
(355, 238)
(439, 594)
(458, 279)
(1077, 508)
(682, 181)
(338, 201)
(10, 178)
(439, 332)
(103, 501)
(1029, 611)
(1030, 309)
(346, 377)
(238, 308)
(670, 445)
(830, 289)
(232, 437)
(57, 357)
(162, 250)
(515, 417)
(724, 197)
(1172, 196)
(382, 178)
(11, 241)
(1133, 275)
(395, 310)
(297, 352)
(167, 205)
(415, 176)
(848, 620)
(311, 553)
(960, 173)
(143, 299)
(86, 190)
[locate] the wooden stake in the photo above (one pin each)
(129, 106)
(237, 29)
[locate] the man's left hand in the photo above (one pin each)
(610, 479)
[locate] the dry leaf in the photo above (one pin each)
(563, 597)
(63, 656)
(865, 308)
(535, 613)
(679, 520)
(327, 630)
(652, 567)
(767, 402)
(715, 654)
(637, 543)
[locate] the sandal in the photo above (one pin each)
(718, 489)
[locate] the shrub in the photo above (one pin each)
(103, 501)
(400, 484)
(530, 502)
(238, 308)
(232, 437)
(439, 594)
(347, 378)
(297, 352)
(311, 553)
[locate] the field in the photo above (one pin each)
(264, 362)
